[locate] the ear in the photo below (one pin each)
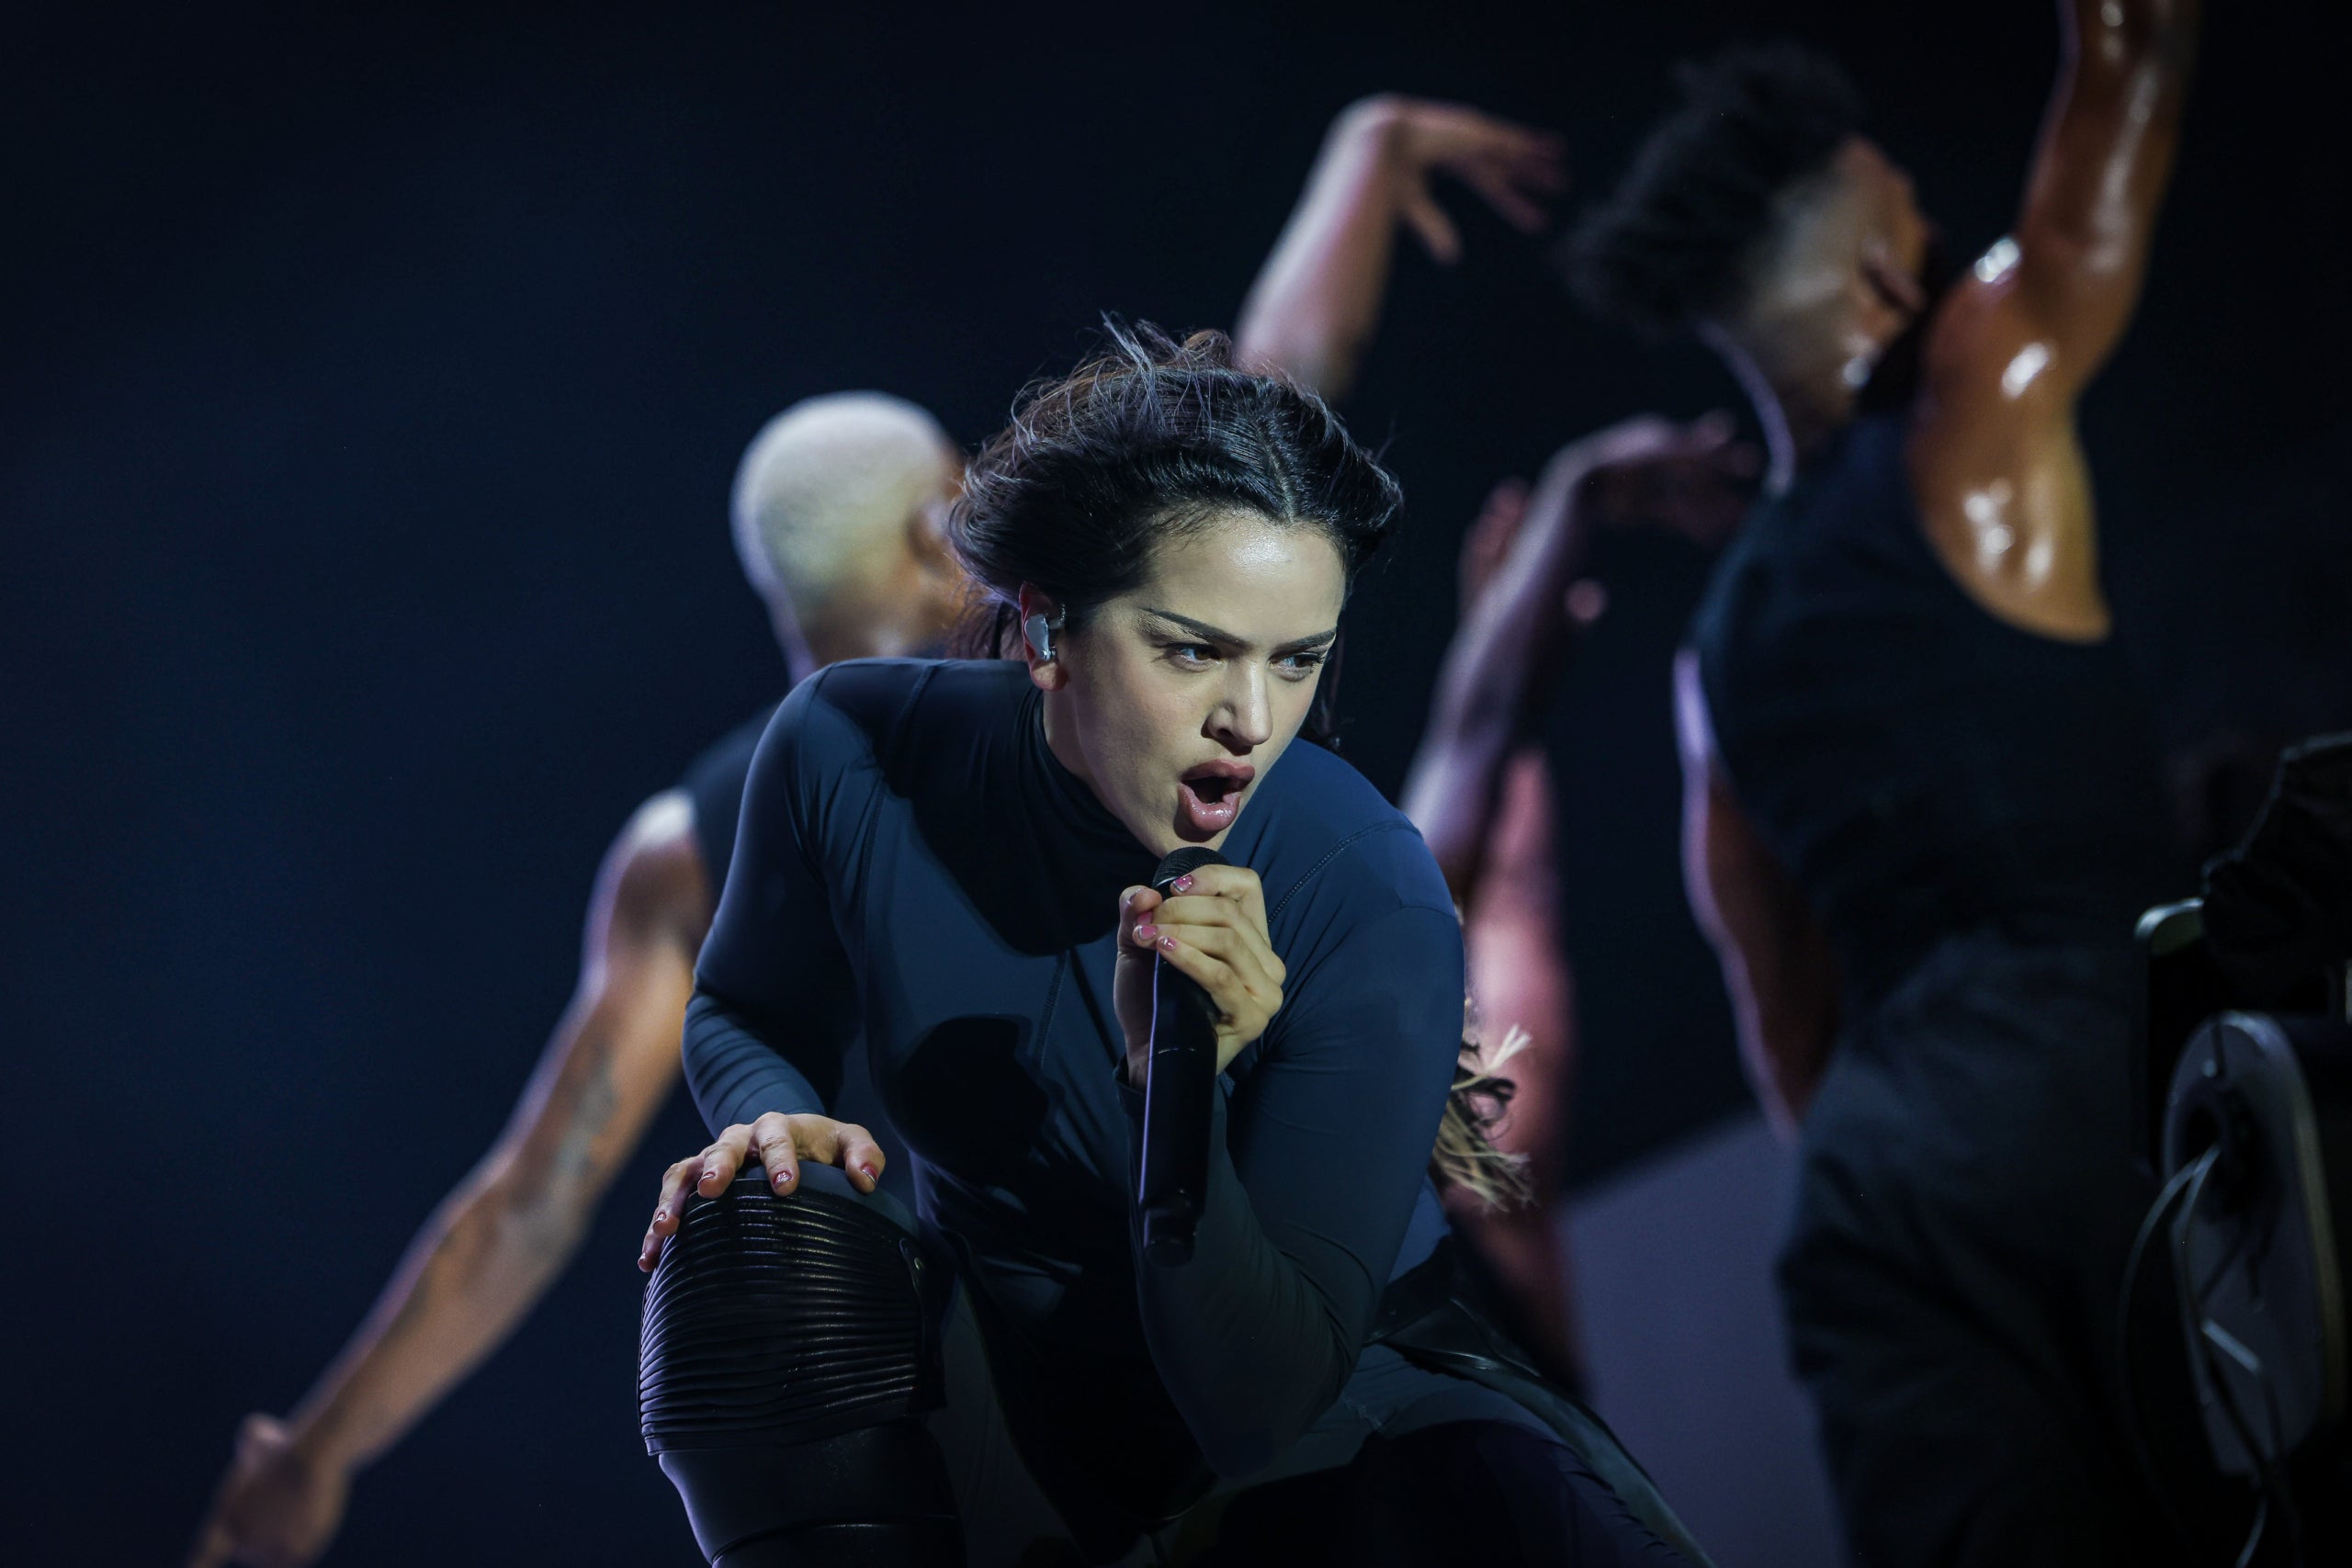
(927, 536)
(1892, 298)
(1046, 674)
(930, 586)
(1890, 279)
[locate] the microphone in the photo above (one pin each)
(1180, 1077)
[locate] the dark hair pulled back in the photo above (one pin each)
(1149, 440)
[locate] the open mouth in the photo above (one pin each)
(1209, 797)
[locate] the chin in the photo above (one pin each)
(1894, 380)
(1182, 830)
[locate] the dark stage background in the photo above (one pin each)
(375, 378)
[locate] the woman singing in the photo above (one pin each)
(953, 859)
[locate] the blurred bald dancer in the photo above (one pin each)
(838, 510)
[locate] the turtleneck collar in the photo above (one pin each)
(1088, 854)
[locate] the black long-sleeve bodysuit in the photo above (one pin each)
(912, 859)
(912, 863)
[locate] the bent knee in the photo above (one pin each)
(779, 1319)
(789, 1350)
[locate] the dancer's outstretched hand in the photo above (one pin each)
(1211, 925)
(1691, 479)
(1514, 168)
(277, 1507)
(776, 1141)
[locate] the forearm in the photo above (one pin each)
(1315, 1160)
(2110, 36)
(1778, 969)
(1316, 301)
(476, 1268)
(501, 1238)
(1778, 973)
(1249, 1350)
(1449, 794)
(736, 1074)
(1784, 1038)
(1493, 681)
(2100, 171)
(2116, 115)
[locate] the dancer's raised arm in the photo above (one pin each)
(2097, 181)
(499, 1239)
(1643, 471)
(1316, 301)
(2003, 489)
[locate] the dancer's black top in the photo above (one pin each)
(1922, 767)
(913, 861)
(713, 782)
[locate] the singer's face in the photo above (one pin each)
(1173, 700)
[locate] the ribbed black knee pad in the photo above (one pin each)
(789, 1350)
(781, 1319)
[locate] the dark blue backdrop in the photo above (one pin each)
(374, 380)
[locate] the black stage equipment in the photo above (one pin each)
(2248, 1021)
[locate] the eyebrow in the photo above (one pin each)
(1208, 633)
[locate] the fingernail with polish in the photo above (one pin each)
(1182, 885)
(1167, 944)
(1145, 933)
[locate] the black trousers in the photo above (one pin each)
(783, 1463)
(1966, 1200)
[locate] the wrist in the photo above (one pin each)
(1375, 124)
(1570, 474)
(321, 1444)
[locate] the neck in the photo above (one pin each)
(1060, 721)
(830, 634)
(832, 648)
(800, 660)
(1797, 419)
(1061, 737)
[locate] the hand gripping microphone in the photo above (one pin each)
(1182, 1076)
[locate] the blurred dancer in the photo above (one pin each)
(1480, 790)
(839, 508)
(1311, 313)
(1922, 811)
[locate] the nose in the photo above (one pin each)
(1243, 719)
